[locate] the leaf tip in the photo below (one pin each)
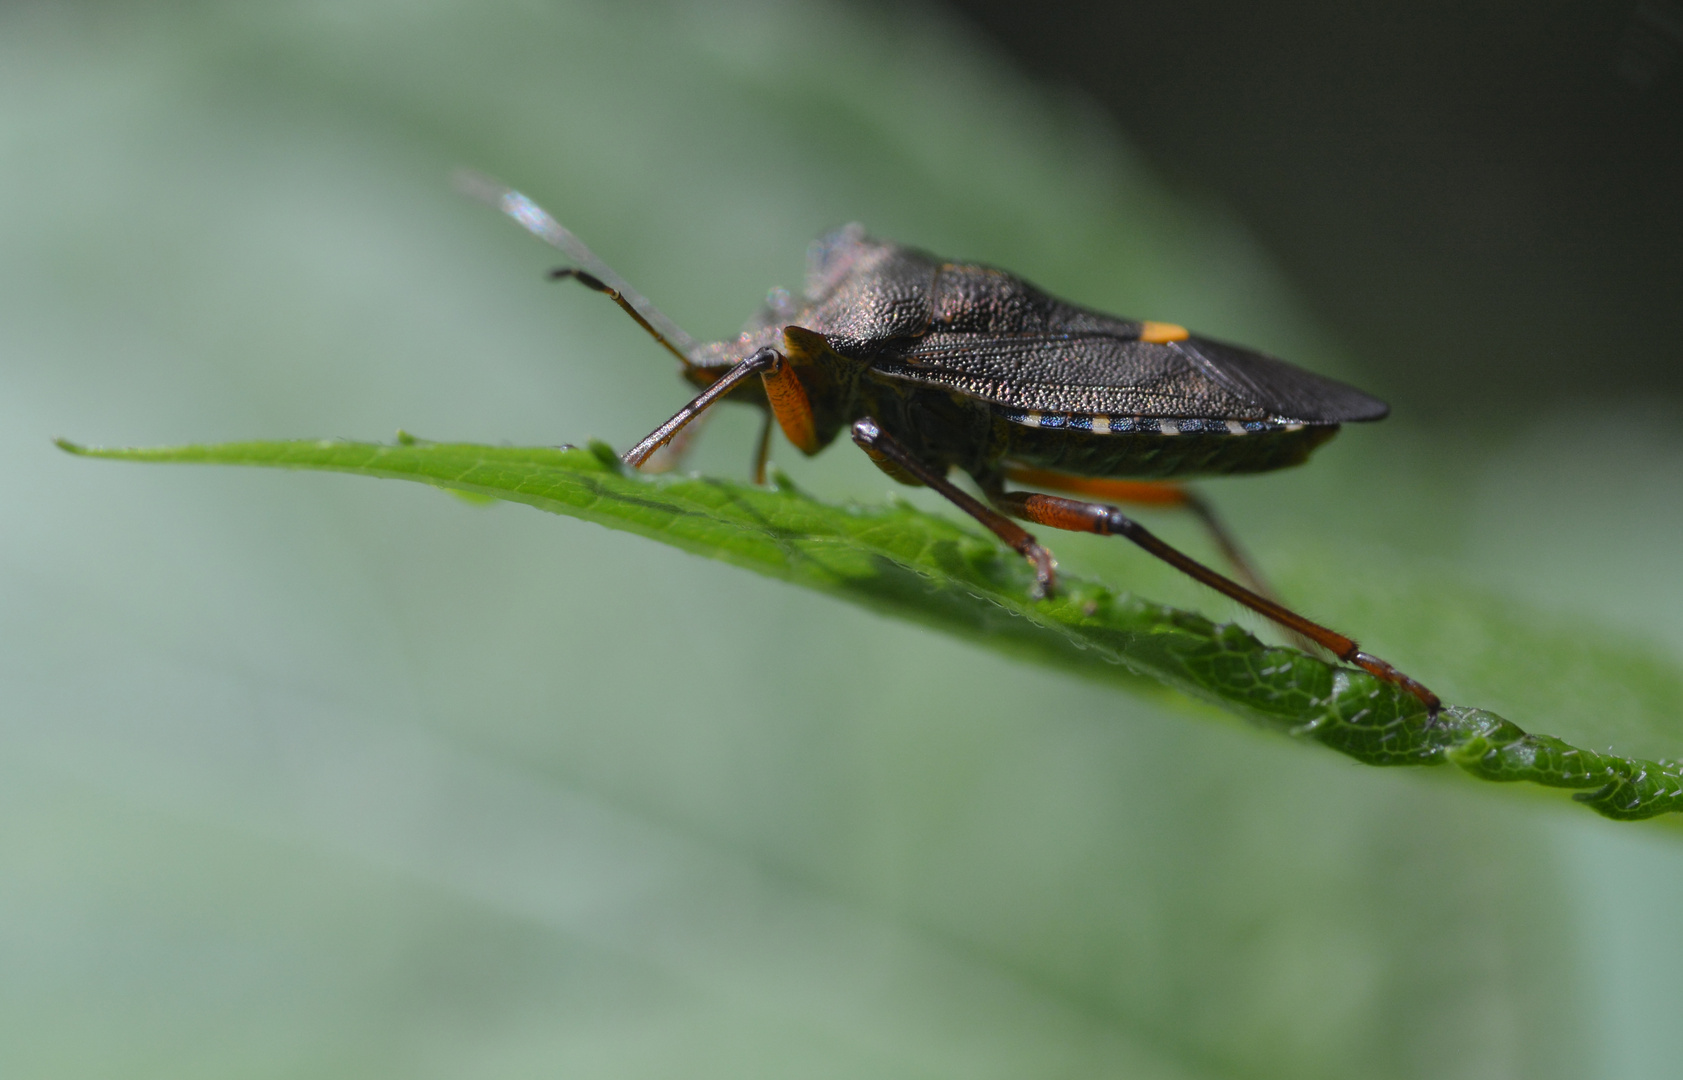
(70, 447)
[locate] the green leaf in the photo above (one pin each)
(901, 561)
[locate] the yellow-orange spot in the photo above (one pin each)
(1161, 333)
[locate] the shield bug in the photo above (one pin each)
(931, 366)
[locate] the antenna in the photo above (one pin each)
(537, 221)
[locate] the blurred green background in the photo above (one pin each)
(310, 775)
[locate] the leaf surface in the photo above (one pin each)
(902, 561)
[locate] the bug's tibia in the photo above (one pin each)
(1345, 648)
(895, 459)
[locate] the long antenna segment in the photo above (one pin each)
(537, 221)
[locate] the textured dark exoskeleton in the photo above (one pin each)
(933, 365)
